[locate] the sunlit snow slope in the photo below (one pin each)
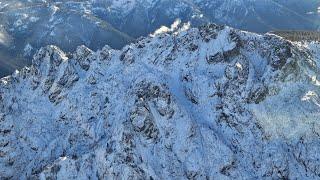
(207, 103)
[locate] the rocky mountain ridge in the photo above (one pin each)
(25, 26)
(204, 103)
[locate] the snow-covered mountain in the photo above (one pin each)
(252, 15)
(205, 103)
(26, 26)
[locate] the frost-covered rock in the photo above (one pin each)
(27, 25)
(207, 103)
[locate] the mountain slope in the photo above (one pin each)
(262, 15)
(212, 102)
(33, 24)
(29, 25)
(252, 15)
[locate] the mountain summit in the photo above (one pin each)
(204, 103)
(25, 26)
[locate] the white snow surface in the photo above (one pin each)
(207, 103)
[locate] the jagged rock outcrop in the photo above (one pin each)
(207, 103)
(27, 25)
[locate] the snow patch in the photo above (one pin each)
(292, 113)
(176, 27)
(27, 50)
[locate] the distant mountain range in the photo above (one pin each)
(26, 26)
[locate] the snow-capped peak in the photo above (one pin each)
(208, 102)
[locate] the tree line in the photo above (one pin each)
(298, 35)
